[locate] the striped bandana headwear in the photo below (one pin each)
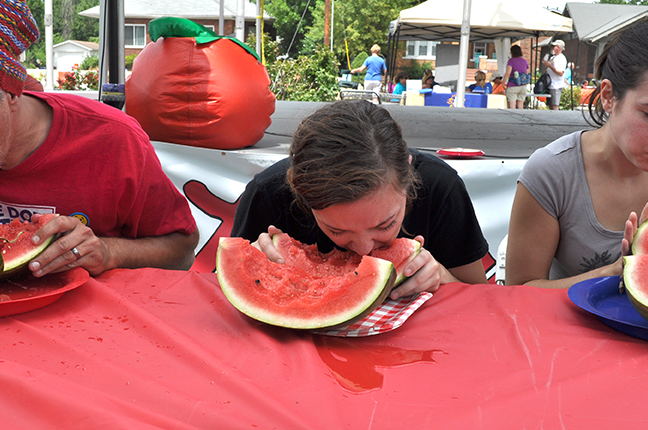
(18, 31)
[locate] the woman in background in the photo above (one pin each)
(401, 81)
(480, 85)
(516, 88)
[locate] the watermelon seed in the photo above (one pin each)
(257, 281)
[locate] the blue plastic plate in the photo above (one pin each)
(601, 297)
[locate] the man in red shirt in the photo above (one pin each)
(88, 162)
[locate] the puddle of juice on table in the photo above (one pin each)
(356, 367)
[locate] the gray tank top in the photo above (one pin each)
(555, 177)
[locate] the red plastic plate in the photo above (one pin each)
(460, 152)
(30, 293)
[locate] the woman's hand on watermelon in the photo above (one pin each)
(58, 257)
(631, 226)
(424, 274)
(265, 245)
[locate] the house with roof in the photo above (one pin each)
(71, 53)
(138, 14)
(594, 25)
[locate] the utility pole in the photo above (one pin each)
(332, 22)
(49, 47)
(327, 22)
(240, 20)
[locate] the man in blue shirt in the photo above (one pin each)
(375, 66)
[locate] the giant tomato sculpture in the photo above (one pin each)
(196, 88)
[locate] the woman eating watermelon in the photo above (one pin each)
(351, 182)
(575, 210)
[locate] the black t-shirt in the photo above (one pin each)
(442, 212)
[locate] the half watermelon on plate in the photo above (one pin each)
(311, 291)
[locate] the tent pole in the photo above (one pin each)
(571, 75)
(535, 55)
(392, 49)
(463, 54)
(49, 46)
(389, 58)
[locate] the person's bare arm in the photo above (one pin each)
(549, 65)
(98, 254)
(472, 273)
(532, 243)
(507, 75)
(358, 70)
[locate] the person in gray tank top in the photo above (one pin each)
(576, 205)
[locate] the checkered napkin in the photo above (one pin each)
(390, 315)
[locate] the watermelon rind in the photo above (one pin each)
(635, 281)
(16, 266)
(640, 240)
(243, 270)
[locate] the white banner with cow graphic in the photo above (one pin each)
(212, 181)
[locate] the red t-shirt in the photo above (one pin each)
(96, 164)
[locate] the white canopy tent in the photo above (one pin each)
(493, 21)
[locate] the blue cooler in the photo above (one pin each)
(447, 99)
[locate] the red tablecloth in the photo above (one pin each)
(145, 349)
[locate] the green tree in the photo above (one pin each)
(361, 23)
(66, 24)
(311, 77)
(91, 62)
(567, 102)
(287, 14)
(83, 27)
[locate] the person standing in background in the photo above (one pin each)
(568, 74)
(516, 90)
(556, 65)
(375, 67)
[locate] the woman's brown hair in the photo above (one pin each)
(345, 151)
(624, 62)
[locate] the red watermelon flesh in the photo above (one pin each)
(295, 253)
(401, 252)
(289, 296)
(635, 281)
(640, 240)
(16, 247)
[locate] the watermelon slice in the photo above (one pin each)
(635, 281)
(328, 295)
(295, 253)
(635, 271)
(16, 247)
(640, 240)
(400, 252)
